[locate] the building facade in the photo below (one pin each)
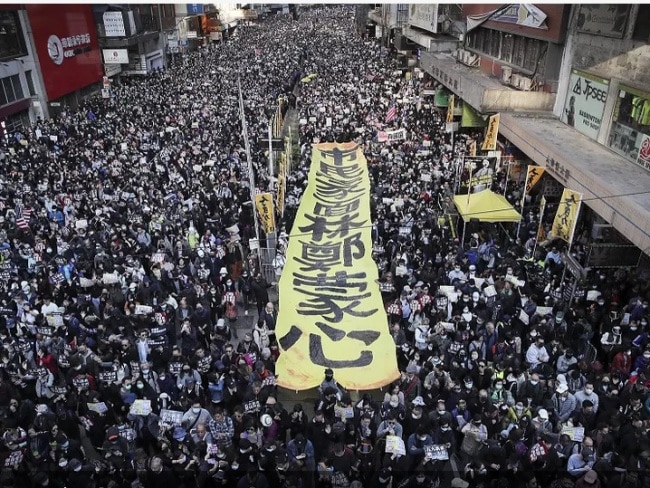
(571, 85)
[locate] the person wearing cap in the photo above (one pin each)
(564, 403)
(301, 454)
(330, 382)
(541, 422)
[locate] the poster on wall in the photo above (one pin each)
(605, 19)
(644, 152)
(66, 43)
(585, 103)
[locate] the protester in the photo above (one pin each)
(127, 273)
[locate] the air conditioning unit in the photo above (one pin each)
(472, 59)
(525, 83)
(514, 80)
(506, 74)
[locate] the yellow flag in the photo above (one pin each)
(331, 312)
(450, 109)
(533, 176)
(282, 185)
(564, 224)
(264, 204)
(490, 141)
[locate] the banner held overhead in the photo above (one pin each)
(331, 312)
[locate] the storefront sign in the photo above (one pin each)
(585, 103)
(451, 80)
(606, 19)
(66, 43)
(115, 56)
(558, 169)
(644, 152)
(613, 256)
(114, 24)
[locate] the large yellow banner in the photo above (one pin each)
(564, 224)
(331, 311)
(450, 109)
(491, 133)
(282, 185)
(265, 209)
(533, 176)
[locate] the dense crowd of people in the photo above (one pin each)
(126, 264)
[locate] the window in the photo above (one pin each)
(30, 83)
(527, 53)
(12, 43)
(642, 26)
(17, 122)
(630, 123)
(11, 90)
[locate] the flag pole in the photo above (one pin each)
(523, 200)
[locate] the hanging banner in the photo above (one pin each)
(470, 117)
(441, 99)
(566, 217)
(606, 19)
(282, 185)
(522, 14)
(490, 141)
(264, 205)
(450, 109)
(533, 175)
(481, 171)
(585, 103)
(331, 313)
(391, 135)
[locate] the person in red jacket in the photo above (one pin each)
(45, 359)
(622, 363)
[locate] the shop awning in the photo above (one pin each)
(486, 206)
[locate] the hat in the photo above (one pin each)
(459, 483)
(476, 419)
(384, 475)
(112, 434)
(407, 288)
(74, 464)
(394, 400)
(543, 414)
(179, 434)
(561, 388)
(616, 330)
(223, 271)
(418, 401)
(591, 477)
(259, 365)
(411, 368)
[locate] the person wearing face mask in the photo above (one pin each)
(415, 446)
(565, 361)
(642, 361)
(194, 416)
(564, 403)
(587, 393)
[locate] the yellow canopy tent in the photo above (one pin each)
(486, 206)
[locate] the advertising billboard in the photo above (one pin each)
(585, 103)
(115, 56)
(67, 47)
(424, 16)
